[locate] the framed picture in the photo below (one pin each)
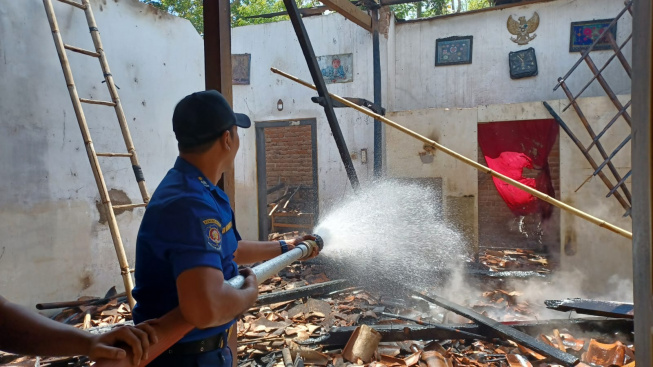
(522, 63)
(337, 68)
(453, 51)
(240, 65)
(583, 34)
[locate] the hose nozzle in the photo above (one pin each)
(311, 245)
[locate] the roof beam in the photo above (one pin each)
(351, 12)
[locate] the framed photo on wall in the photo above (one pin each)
(453, 51)
(583, 34)
(337, 68)
(240, 68)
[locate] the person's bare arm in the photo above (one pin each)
(206, 300)
(25, 332)
(250, 252)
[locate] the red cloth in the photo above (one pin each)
(511, 146)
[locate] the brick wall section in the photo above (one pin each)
(497, 226)
(288, 155)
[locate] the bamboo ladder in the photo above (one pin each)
(109, 208)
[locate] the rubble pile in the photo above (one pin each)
(298, 329)
(93, 312)
(301, 325)
(514, 259)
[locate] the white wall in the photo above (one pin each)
(455, 128)
(419, 84)
(53, 247)
(604, 257)
(275, 45)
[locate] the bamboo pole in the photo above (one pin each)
(90, 152)
(117, 104)
(478, 166)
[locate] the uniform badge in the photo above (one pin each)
(213, 233)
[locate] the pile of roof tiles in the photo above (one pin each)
(298, 326)
(514, 259)
(264, 331)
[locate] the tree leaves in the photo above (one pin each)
(241, 10)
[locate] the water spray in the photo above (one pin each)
(172, 326)
(460, 157)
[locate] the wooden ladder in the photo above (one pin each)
(109, 208)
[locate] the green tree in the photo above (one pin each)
(420, 9)
(188, 9)
(478, 4)
(243, 12)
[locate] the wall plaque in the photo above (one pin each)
(240, 65)
(453, 51)
(583, 34)
(522, 63)
(337, 68)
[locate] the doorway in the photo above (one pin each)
(286, 156)
(529, 152)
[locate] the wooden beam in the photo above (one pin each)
(390, 333)
(217, 67)
(301, 292)
(496, 328)
(351, 12)
(642, 183)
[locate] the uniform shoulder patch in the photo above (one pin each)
(213, 233)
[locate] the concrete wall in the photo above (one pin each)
(418, 84)
(53, 248)
(454, 128)
(604, 258)
(275, 45)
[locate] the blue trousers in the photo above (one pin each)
(217, 358)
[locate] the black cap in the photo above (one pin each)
(203, 116)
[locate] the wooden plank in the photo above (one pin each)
(81, 50)
(217, 67)
(113, 154)
(642, 183)
(351, 12)
(73, 3)
(130, 206)
(98, 102)
(301, 292)
(390, 333)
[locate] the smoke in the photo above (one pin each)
(559, 285)
(390, 230)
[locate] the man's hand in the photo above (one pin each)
(138, 338)
(251, 284)
(297, 240)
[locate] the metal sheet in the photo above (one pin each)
(592, 307)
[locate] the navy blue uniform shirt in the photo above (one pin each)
(188, 223)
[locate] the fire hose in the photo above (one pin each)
(171, 327)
